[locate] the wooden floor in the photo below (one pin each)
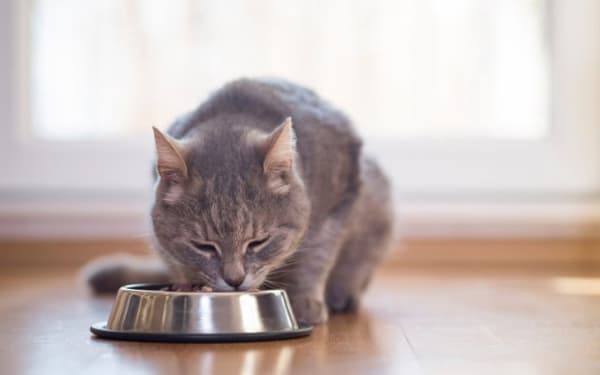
(426, 321)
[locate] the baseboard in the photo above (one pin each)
(82, 219)
(503, 251)
(411, 252)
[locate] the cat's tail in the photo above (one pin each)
(107, 274)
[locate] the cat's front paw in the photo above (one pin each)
(309, 310)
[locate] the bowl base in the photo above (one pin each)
(99, 329)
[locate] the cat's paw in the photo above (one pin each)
(342, 302)
(309, 310)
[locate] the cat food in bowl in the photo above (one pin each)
(145, 312)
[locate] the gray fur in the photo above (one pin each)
(327, 230)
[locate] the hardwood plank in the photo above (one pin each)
(436, 320)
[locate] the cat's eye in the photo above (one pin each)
(205, 247)
(255, 245)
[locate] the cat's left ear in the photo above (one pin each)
(279, 161)
(170, 161)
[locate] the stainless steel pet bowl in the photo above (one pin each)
(144, 312)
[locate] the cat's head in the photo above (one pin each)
(230, 205)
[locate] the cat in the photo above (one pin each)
(264, 185)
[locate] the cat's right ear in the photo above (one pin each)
(170, 161)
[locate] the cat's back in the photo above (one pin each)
(266, 102)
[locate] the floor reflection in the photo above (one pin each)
(243, 359)
(322, 349)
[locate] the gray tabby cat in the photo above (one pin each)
(245, 199)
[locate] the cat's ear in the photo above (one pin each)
(279, 158)
(170, 162)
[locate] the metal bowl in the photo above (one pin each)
(144, 312)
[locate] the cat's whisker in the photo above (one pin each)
(273, 285)
(278, 274)
(285, 268)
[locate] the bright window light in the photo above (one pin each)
(432, 69)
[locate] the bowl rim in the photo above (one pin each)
(141, 288)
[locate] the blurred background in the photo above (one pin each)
(485, 114)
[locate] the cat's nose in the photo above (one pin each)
(235, 281)
(233, 273)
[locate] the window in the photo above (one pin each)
(461, 98)
(435, 69)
